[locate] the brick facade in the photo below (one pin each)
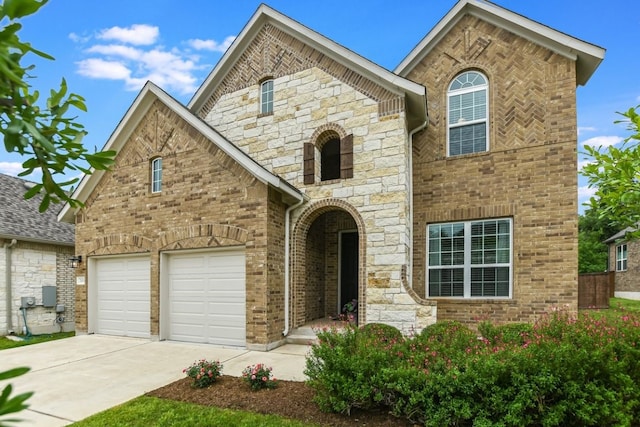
(528, 173)
(627, 284)
(391, 184)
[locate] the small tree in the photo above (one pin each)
(45, 134)
(615, 173)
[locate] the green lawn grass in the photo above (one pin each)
(6, 343)
(617, 308)
(146, 411)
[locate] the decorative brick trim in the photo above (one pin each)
(276, 53)
(466, 214)
(417, 298)
(104, 245)
(215, 234)
(299, 250)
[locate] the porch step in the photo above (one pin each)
(303, 335)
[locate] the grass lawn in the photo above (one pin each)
(617, 308)
(6, 343)
(145, 411)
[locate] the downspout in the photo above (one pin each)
(410, 269)
(287, 249)
(7, 255)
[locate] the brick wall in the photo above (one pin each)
(528, 174)
(627, 283)
(207, 200)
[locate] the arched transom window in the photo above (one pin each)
(468, 114)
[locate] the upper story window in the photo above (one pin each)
(470, 259)
(266, 97)
(621, 257)
(156, 175)
(468, 114)
(330, 160)
(336, 157)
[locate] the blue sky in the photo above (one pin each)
(106, 50)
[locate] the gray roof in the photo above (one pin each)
(21, 220)
(620, 235)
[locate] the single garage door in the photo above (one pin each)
(207, 297)
(123, 296)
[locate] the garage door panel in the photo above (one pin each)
(123, 296)
(207, 301)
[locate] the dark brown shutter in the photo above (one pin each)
(309, 168)
(346, 157)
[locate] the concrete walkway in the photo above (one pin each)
(76, 377)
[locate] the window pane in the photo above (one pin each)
(490, 282)
(467, 139)
(156, 175)
(446, 283)
(266, 97)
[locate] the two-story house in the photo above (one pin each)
(302, 176)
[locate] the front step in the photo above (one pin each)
(304, 335)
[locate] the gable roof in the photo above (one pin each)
(21, 220)
(620, 235)
(150, 93)
(587, 56)
(415, 94)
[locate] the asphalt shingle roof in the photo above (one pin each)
(20, 219)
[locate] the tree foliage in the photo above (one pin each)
(45, 133)
(592, 252)
(615, 173)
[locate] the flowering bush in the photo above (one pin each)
(203, 372)
(259, 376)
(563, 370)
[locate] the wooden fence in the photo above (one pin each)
(595, 289)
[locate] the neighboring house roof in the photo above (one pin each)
(415, 94)
(21, 220)
(149, 93)
(587, 56)
(620, 235)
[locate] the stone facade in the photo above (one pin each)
(34, 265)
(528, 174)
(392, 183)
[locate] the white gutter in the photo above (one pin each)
(7, 254)
(287, 280)
(413, 132)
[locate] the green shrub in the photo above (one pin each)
(510, 333)
(345, 368)
(203, 372)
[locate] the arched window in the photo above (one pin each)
(330, 160)
(156, 175)
(266, 97)
(468, 114)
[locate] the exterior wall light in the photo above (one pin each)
(75, 261)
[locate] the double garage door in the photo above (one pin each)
(203, 297)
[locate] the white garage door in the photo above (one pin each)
(207, 297)
(123, 296)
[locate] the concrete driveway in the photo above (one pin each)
(76, 377)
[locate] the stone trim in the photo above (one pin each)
(216, 235)
(104, 245)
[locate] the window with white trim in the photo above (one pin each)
(467, 130)
(470, 259)
(266, 97)
(156, 175)
(621, 257)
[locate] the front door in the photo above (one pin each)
(348, 267)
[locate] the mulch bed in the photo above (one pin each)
(290, 399)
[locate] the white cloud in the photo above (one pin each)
(11, 168)
(96, 68)
(138, 34)
(211, 45)
(603, 141)
(127, 52)
(585, 193)
(586, 129)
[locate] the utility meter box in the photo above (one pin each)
(27, 302)
(49, 296)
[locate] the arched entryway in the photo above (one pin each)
(328, 262)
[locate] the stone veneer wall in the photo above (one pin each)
(528, 174)
(34, 265)
(306, 102)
